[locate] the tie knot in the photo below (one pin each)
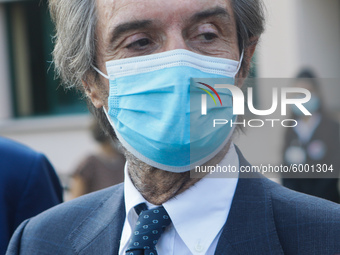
(149, 227)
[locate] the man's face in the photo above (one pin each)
(131, 28)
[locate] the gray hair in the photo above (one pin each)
(75, 41)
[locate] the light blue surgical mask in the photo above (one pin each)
(155, 107)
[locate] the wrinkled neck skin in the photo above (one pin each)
(158, 186)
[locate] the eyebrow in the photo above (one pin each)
(217, 11)
(127, 27)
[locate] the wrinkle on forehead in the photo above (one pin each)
(105, 11)
(109, 8)
(106, 6)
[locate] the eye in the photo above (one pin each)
(208, 36)
(205, 33)
(140, 44)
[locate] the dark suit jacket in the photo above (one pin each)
(28, 186)
(265, 218)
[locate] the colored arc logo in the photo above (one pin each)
(212, 89)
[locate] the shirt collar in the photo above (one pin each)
(201, 209)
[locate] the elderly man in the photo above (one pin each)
(134, 59)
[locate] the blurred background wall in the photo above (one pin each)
(36, 111)
(299, 34)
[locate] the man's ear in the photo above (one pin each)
(250, 49)
(92, 92)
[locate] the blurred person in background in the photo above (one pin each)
(28, 186)
(315, 140)
(134, 60)
(100, 170)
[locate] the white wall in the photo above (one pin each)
(300, 33)
(318, 32)
(277, 52)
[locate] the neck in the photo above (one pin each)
(155, 185)
(158, 186)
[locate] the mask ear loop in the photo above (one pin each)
(100, 72)
(105, 76)
(240, 63)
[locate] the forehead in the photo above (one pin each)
(113, 12)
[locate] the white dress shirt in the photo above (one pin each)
(198, 214)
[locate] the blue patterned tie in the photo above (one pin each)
(149, 227)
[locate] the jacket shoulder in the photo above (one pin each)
(50, 230)
(19, 163)
(305, 224)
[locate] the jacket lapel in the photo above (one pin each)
(250, 227)
(100, 232)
